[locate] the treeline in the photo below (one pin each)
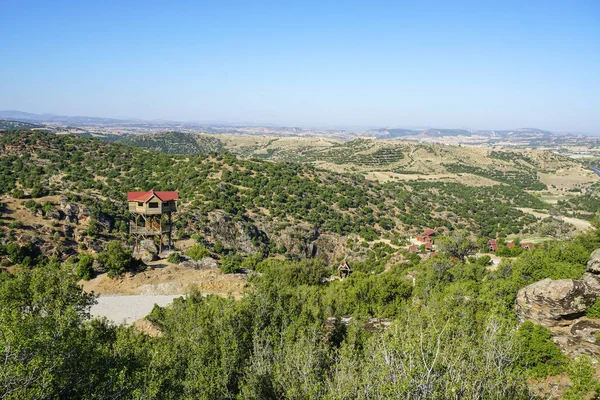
(449, 333)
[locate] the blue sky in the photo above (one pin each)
(478, 64)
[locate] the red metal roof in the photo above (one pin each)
(429, 232)
(145, 196)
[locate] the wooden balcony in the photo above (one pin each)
(134, 208)
(143, 230)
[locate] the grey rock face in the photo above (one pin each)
(560, 305)
(98, 267)
(149, 246)
(205, 263)
(593, 264)
(555, 302)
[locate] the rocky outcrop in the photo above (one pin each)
(98, 267)
(243, 236)
(555, 302)
(205, 263)
(593, 265)
(147, 251)
(560, 306)
(299, 239)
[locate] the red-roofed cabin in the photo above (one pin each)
(152, 202)
(413, 249)
(421, 239)
(493, 245)
(429, 232)
(429, 246)
(510, 245)
(527, 246)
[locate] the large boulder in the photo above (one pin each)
(148, 251)
(593, 264)
(205, 263)
(555, 302)
(98, 267)
(560, 306)
(149, 246)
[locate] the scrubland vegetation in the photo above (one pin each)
(450, 334)
(400, 326)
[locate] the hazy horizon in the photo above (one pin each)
(316, 64)
(308, 127)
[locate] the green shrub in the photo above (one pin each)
(196, 237)
(219, 247)
(197, 252)
(581, 373)
(116, 259)
(39, 191)
(15, 225)
(252, 261)
(230, 264)
(174, 258)
(18, 194)
(83, 268)
(594, 311)
(540, 355)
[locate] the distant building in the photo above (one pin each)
(429, 232)
(527, 246)
(492, 245)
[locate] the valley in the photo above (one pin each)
(434, 231)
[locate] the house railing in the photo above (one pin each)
(142, 230)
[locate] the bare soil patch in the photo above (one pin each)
(164, 278)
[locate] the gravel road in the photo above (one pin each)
(127, 309)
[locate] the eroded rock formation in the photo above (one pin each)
(560, 306)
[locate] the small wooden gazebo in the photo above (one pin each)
(147, 210)
(344, 269)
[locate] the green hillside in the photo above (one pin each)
(401, 325)
(176, 143)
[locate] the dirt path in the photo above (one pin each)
(580, 225)
(128, 309)
(131, 297)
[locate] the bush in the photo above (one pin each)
(196, 237)
(230, 264)
(39, 191)
(219, 248)
(541, 356)
(116, 259)
(15, 225)
(18, 194)
(252, 261)
(594, 311)
(83, 268)
(174, 258)
(197, 252)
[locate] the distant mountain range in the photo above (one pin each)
(110, 126)
(29, 117)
